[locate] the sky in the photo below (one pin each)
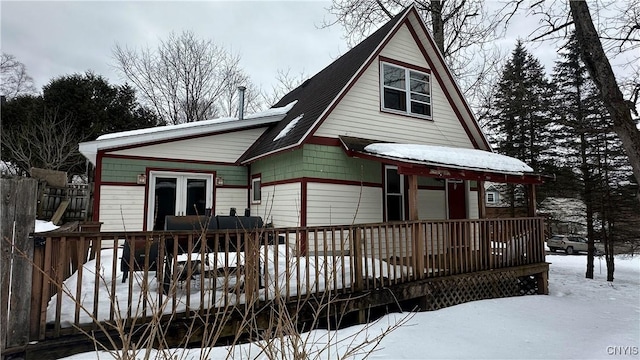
(55, 38)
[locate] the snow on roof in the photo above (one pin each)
(458, 157)
(141, 136)
(288, 128)
(199, 124)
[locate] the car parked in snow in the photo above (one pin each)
(571, 244)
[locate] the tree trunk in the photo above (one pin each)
(588, 199)
(600, 71)
(437, 24)
(608, 248)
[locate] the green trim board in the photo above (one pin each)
(126, 170)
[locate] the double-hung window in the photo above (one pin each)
(405, 90)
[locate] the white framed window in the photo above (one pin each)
(177, 193)
(256, 190)
(492, 198)
(405, 90)
(394, 193)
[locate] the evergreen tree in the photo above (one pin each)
(44, 130)
(584, 140)
(520, 113)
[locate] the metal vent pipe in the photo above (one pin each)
(241, 90)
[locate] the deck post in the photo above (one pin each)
(543, 283)
(358, 282)
(532, 200)
(416, 235)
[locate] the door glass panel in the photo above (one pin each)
(196, 196)
(393, 181)
(394, 193)
(165, 200)
(394, 207)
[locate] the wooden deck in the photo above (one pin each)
(432, 263)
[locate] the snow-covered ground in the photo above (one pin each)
(580, 319)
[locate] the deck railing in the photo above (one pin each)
(81, 277)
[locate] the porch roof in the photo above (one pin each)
(443, 161)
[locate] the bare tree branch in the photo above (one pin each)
(185, 79)
(49, 144)
(15, 80)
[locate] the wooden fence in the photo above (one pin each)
(17, 217)
(249, 267)
(75, 200)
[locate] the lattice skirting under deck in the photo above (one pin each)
(461, 289)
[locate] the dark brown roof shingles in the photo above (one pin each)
(317, 93)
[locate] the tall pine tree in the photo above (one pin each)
(584, 141)
(520, 113)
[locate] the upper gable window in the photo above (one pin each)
(405, 90)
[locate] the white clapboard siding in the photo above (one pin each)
(226, 147)
(338, 204)
(432, 204)
(473, 205)
(335, 204)
(280, 205)
(121, 208)
(358, 113)
(227, 198)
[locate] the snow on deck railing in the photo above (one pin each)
(256, 266)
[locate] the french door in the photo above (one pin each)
(177, 193)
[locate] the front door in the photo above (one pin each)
(456, 199)
(175, 193)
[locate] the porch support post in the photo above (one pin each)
(413, 197)
(482, 210)
(416, 234)
(532, 200)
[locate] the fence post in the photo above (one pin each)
(17, 218)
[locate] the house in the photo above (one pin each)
(381, 134)
(498, 201)
(372, 173)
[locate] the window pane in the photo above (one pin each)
(420, 98)
(419, 87)
(394, 99)
(393, 181)
(257, 195)
(394, 207)
(165, 200)
(394, 77)
(420, 108)
(419, 76)
(196, 196)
